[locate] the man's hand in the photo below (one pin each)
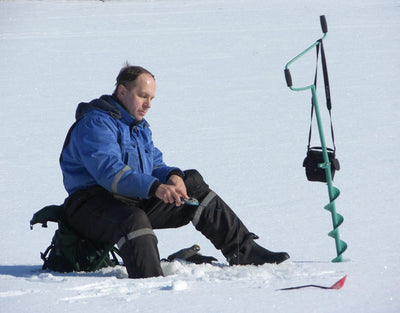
(179, 184)
(173, 191)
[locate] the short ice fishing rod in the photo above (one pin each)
(333, 192)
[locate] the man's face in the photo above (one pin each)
(138, 99)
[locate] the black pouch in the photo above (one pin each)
(314, 157)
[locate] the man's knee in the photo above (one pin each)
(194, 181)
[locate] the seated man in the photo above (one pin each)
(120, 189)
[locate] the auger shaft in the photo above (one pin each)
(333, 192)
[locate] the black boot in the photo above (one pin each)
(252, 253)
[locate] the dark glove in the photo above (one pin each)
(191, 255)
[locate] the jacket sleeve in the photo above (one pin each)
(96, 141)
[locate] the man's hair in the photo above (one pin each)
(128, 76)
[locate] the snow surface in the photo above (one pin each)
(222, 107)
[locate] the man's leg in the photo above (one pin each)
(97, 215)
(215, 219)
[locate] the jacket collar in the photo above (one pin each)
(112, 106)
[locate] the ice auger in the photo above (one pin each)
(333, 192)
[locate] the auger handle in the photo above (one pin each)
(288, 77)
(324, 26)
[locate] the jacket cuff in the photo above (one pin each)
(153, 188)
(176, 172)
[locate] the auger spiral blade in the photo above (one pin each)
(337, 220)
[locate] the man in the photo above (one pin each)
(120, 189)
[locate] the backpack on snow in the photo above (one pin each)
(68, 252)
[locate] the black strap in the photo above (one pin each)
(327, 92)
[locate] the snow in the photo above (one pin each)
(222, 106)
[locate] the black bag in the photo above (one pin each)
(314, 163)
(68, 251)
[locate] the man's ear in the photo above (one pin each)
(121, 91)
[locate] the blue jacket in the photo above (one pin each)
(108, 147)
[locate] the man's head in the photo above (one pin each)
(135, 88)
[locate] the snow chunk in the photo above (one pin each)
(179, 285)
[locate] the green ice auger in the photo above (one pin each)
(334, 192)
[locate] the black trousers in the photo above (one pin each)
(98, 215)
